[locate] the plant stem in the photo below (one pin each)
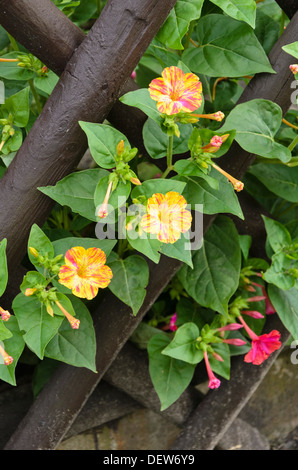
(35, 94)
(169, 156)
(189, 33)
(293, 143)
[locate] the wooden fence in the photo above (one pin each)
(94, 71)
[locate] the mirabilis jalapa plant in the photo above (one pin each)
(162, 214)
(138, 208)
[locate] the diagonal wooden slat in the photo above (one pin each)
(86, 91)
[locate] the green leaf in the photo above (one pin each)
(170, 377)
(150, 187)
(3, 266)
(38, 325)
(218, 367)
(189, 311)
(130, 277)
(18, 106)
(286, 305)
(245, 244)
(156, 141)
(183, 346)
(47, 82)
(61, 246)
(177, 23)
(14, 346)
(77, 191)
(145, 244)
(226, 47)
(103, 141)
(180, 250)
(33, 279)
(39, 241)
(256, 123)
(291, 49)
(242, 10)
(278, 235)
(214, 201)
(5, 333)
(280, 179)
(190, 168)
(278, 273)
(141, 99)
(75, 347)
(13, 143)
(215, 276)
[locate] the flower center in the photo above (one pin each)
(175, 96)
(82, 271)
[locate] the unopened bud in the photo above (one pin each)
(120, 148)
(30, 291)
(135, 181)
(33, 252)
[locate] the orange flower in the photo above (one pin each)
(176, 91)
(6, 357)
(4, 314)
(166, 216)
(85, 271)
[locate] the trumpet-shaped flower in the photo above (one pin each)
(85, 271)
(213, 381)
(166, 216)
(176, 91)
(6, 357)
(261, 346)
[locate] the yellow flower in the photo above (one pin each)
(176, 91)
(166, 216)
(85, 271)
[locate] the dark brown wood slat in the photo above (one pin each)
(43, 29)
(288, 6)
(86, 91)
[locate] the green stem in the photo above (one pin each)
(35, 94)
(169, 156)
(189, 33)
(293, 143)
(122, 245)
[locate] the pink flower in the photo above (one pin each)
(261, 346)
(213, 381)
(230, 327)
(173, 326)
(252, 313)
(234, 341)
(268, 305)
